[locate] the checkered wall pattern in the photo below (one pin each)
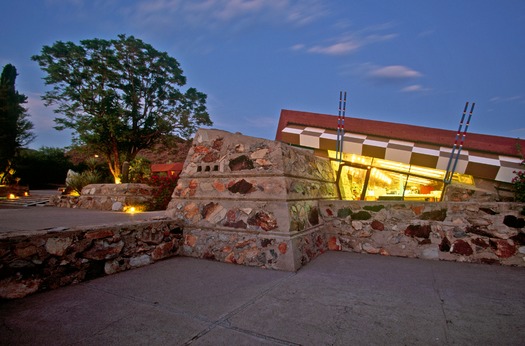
(477, 164)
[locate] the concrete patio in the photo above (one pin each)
(338, 299)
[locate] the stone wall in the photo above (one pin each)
(115, 197)
(39, 261)
(251, 201)
(485, 232)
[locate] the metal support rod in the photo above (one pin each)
(338, 142)
(340, 126)
(342, 129)
(454, 157)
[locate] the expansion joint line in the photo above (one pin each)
(224, 322)
(441, 303)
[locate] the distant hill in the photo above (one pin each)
(167, 153)
(171, 150)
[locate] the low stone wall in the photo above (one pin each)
(37, 261)
(17, 190)
(465, 232)
(271, 251)
(115, 197)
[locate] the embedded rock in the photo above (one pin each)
(242, 186)
(418, 231)
(377, 225)
(461, 247)
(240, 163)
(264, 220)
(503, 248)
(513, 221)
(58, 246)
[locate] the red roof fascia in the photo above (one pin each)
(166, 167)
(412, 133)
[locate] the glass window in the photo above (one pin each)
(351, 182)
(390, 180)
(391, 165)
(428, 172)
(423, 189)
(385, 185)
(352, 158)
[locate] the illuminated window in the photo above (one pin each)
(373, 179)
(385, 185)
(351, 182)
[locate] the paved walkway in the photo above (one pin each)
(338, 299)
(38, 218)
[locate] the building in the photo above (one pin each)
(390, 161)
(167, 169)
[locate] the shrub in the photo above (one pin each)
(139, 169)
(519, 185)
(45, 168)
(76, 182)
(163, 189)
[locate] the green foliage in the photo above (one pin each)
(44, 168)
(15, 128)
(164, 187)
(139, 169)
(519, 180)
(519, 185)
(76, 182)
(119, 96)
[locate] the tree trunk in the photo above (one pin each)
(114, 163)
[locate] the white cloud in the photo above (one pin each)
(394, 72)
(211, 13)
(298, 46)
(338, 48)
(499, 99)
(305, 12)
(229, 9)
(412, 88)
(379, 38)
(350, 42)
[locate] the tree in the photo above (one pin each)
(119, 96)
(15, 128)
(45, 168)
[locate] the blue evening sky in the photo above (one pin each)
(406, 61)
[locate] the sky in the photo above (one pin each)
(409, 61)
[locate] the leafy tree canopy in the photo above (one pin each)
(119, 96)
(15, 128)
